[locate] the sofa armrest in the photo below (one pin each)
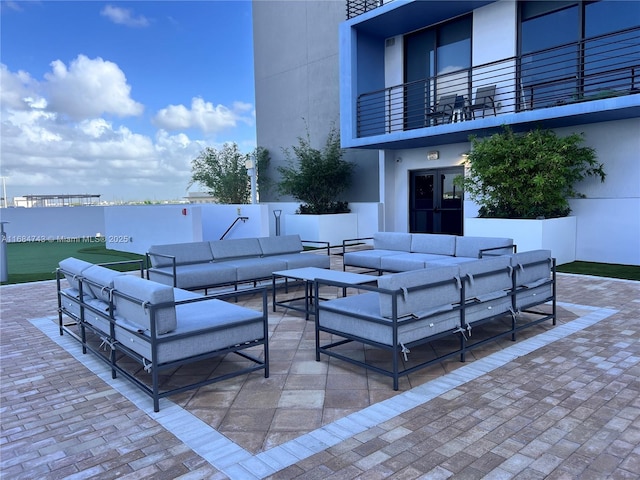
(140, 263)
(488, 252)
(316, 242)
(173, 264)
(348, 242)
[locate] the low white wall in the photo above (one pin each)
(608, 230)
(135, 228)
(40, 224)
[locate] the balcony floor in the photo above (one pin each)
(563, 405)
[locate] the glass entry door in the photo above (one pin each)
(435, 203)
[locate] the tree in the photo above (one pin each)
(316, 177)
(262, 160)
(223, 172)
(527, 175)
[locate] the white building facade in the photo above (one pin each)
(570, 66)
(417, 78)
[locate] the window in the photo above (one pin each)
(437, 62)
(568, 53)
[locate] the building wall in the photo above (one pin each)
(297, 84)
(608, 219)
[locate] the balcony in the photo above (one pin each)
(582, 82)
(358, 7)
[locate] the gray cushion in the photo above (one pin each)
(197, 275)
(486, 276)
(300, 260)
(530, 278)
(70, 301)
(102, 281)
(471, 246)
(280, 245)
(234, 325)
(433, 243)
(72, 269)
(367, 258)
(487, 285)
(340, 314)
(254, 268)
(425, 299)
(448, 261)
(185, 253)
(98, 315)
(404, 262)
(527, 273)
(392, 241)
(145, 293)
(235, 248)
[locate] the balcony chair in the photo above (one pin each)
(484, 100)
(443, 111)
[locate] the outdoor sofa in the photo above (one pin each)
(203, 265)
(158, 326)
(401, 252)
(444, 302)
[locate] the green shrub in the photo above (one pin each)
(316, 177)
(530, 175)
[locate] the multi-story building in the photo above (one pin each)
(417, 78)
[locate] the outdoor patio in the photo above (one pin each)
(561, 402)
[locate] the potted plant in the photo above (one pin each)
(530, 177)
(317, 178)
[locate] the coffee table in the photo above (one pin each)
(308, 275)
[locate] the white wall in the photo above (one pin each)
(52, 223)
(136, 228)
(608, 220)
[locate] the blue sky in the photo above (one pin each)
(117, 98)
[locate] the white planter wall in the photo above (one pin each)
(555, 234)
(325, 228)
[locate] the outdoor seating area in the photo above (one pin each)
(412, 308)
(512, 407)
(400, 252)
(159, 327)
(455, 107)
(204, 265)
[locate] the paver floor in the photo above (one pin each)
(569, 408)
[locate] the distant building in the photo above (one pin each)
(200, 197)
(65, 200)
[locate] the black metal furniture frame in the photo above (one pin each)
(463, 332)
(110, 342)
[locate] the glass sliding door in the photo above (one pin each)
(435, 204)
(419, 67)
(437, 62)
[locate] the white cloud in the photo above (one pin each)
(53, 144)
(124, 16)
(16, 88)
(204, 116)
(90, 88)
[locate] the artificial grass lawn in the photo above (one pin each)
(35, 261)
(627, 272)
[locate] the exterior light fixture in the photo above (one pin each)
(433, 155)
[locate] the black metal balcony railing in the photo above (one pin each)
(593, 69)
(358, 7)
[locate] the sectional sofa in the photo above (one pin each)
(439, 301)
(203, 265)
(158, 326)
(400, 252)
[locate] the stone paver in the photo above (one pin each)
(569, 409)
